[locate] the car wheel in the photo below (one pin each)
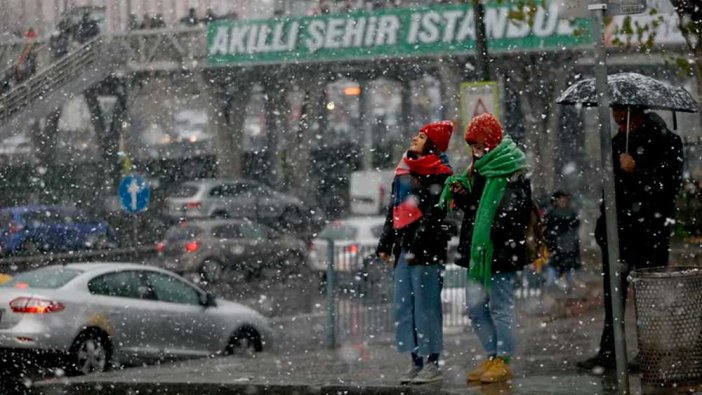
(99, 243)
(245, 342)
(90, 353)
(292, 217)
(293, 266)
(212, 271)
(30, 248)
(221, 214)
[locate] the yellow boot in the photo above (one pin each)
(477, 373)
(496, 372)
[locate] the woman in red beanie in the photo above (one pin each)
(415, 235)
(495, 196)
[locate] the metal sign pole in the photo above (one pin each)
(607, 171)
(331, 314)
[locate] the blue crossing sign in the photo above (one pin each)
(134, 193)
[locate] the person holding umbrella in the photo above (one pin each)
(647, 168)
(648, 163)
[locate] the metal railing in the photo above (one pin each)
(359, 294)
(166, 49)
(91, 56)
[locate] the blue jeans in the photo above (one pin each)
(417, 308)
(492, 314)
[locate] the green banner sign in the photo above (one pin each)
(392, 33)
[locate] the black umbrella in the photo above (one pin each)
(634, 90)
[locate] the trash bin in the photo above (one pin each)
(669, 323)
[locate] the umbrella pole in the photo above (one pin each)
(628, 118)
(610, 206)
(675, 121)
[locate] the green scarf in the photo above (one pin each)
(496, 166)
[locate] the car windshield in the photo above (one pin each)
(46, 278)
(184, 191)
(183, 233)
(338, 231)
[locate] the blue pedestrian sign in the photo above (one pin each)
(134, 193)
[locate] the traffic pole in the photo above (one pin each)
(607, 173)
(331, 315)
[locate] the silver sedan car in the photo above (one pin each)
(96, 315)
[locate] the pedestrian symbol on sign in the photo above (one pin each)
(480, 108)
(478, 98)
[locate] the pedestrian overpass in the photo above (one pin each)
(229, 57)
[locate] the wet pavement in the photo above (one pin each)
(545, 362)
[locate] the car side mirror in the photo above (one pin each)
(208, 300)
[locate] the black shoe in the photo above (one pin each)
(597, 365)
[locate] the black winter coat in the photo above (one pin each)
(646, 197)
(561, 234)
(426, 239)
(508, 229)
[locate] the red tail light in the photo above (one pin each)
(160, 247)
(25, 305)
(352, 249)
(193, 205)
(14, 228)
(192, 246)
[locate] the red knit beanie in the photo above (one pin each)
(439, 133)
(485, 129)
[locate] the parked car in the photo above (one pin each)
(91, 316)
(355, 239)
(36, 229)
(212, 250)
(234, 199)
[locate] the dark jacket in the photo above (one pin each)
(561, 234)
(508, 229)
(426, 239)
(646, 197)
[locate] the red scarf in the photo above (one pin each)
(425, 165)
(405, 204)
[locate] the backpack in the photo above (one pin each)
(535, 240)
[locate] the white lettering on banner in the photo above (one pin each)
(354, 32)
(415, 19)
(430, 34)
(316, 31)
(292, 35)
(546, 21)
(251, 41)
(334, 33)
(387, 30)
(451, 22)
(496, 22)
(423, 27)
(262, 44)
(219, 43)
(516, 29)
(277, 44)
(467, 29)
(236, 39)
(370, 31)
